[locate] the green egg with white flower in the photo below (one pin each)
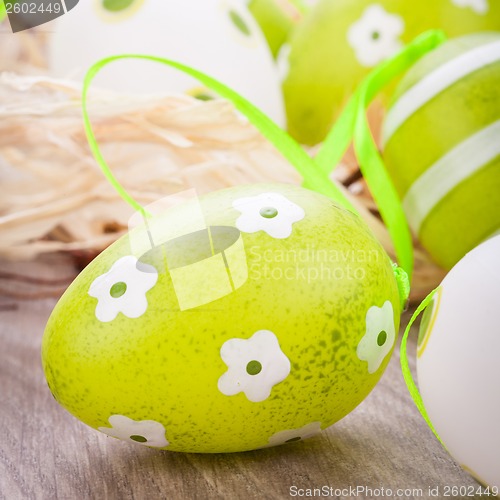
(442, 146)
(340, 41)
(247, 318)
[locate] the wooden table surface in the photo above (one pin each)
(45, 453)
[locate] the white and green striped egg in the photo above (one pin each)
(261, 315)
(340, 41)
(442, 146)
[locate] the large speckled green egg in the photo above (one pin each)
(442, 146)
(255, 316)
(340, 41)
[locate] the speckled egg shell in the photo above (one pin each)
(278, 330)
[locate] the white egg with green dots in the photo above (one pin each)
(218, 37)
(457, 363)
(340, 41)
(442, 146)
(255, 316)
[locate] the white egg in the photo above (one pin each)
(218, 37)
(458, 362)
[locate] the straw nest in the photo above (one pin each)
(55, 198)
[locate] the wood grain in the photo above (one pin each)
(45, 453)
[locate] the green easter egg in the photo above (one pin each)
(340, 41)
(442, 146)
(277, 19)
(255, 316)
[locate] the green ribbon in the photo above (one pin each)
(313, 178)
(353, 126)
(405, 367)
(3, 11)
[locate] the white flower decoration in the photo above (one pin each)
(255, 366)
(375, 36)
(123, 289)
(478, 6)
(269, 212)
(145, 432)
(290, 436)
(379, 338)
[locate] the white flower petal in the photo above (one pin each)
(379, 338)
(289, 436)
(105, 313)
(282, 214)
(134, 306)
(255, 366)
(145, 432)
(375, 36)
(478, 6)
(134, 279)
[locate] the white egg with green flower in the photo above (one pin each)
(218, 37)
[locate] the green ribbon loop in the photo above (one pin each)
(3, 11)
(313, 178)
(405, 367)
(353, 126)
